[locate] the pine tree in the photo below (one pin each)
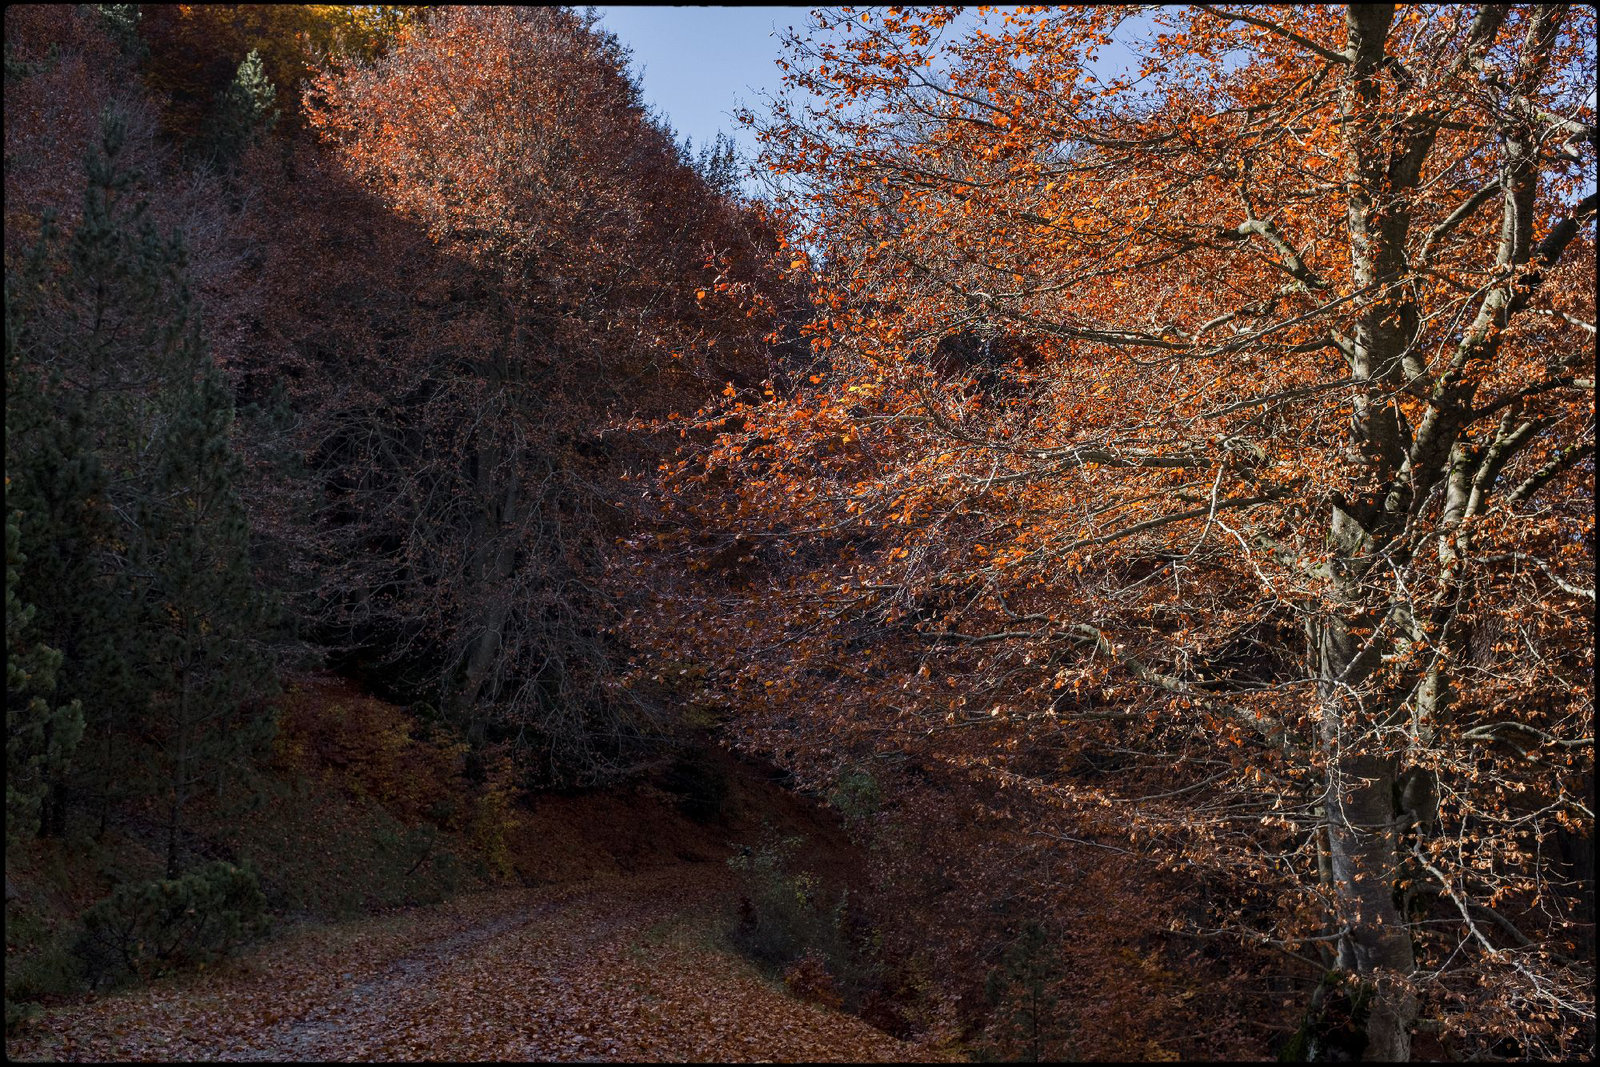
(121, 21)
(91, 315)
(66, 541)
(39, 736)
(192, 556)
(136, 543)
(1023, 991)
(246, 108)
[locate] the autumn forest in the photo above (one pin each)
(1049, 558)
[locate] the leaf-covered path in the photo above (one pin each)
(619, 969)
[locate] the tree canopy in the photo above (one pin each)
(1234, 414)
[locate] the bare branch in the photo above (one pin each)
(1272, 27)
(1456, 218)
(1563, 459)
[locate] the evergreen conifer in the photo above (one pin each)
(39, 736)
(135, 545)
(246, 108)
(1023, 992)
(192, 555)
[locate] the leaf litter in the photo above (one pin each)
(603, 969)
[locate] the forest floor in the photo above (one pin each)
(605, 939)
(617, 968)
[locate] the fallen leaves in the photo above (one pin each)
(555, 973)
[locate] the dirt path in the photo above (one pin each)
(618, 970)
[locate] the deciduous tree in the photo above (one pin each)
(571, 243)
(1230, 418)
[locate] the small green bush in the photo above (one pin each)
(42, 965)
(782, 914)
(786, 925)
(144, 928)
(856, 794)
(1028, 1024)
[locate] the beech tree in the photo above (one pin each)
(60, 69)
(1231, 418)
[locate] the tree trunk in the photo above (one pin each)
(494, 560)
(179, 777)
(1377, 948)
(1363, 824)
(53, 808)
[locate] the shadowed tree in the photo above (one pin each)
(571, 241)
(136, 546)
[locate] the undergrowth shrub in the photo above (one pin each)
(44, 964)
(494, 816)
(144, 928)
(787, 926)
(782, 914)
(373, 750)
(411, 867)
(324, 854)
(809, 979)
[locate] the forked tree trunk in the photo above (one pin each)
(1361, 816)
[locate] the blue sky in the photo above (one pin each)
(699, 63)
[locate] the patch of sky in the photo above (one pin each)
(698, 66)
